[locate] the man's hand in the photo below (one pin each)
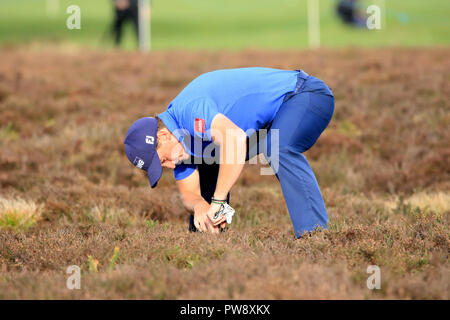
(201, 219)
(194, 202)
(213, 208)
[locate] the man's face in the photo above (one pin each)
(170, 150)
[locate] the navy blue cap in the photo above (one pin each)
(140, 147)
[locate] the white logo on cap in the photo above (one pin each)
(140, 164)
(149, 139)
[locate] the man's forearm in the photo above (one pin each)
(230, 171)
(228, 174)
(190, 200)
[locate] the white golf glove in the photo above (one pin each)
(225, 210)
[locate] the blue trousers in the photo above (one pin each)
(303, 116)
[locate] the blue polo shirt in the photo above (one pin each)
(249, 97)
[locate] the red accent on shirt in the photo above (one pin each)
(199, 125)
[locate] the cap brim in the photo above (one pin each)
(154, 170)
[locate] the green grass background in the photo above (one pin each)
(228, 24)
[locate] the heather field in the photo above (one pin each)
(69, 196)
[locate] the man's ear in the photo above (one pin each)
(163, 134)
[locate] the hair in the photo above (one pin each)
(161, 125)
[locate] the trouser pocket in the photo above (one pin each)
(315, 119)
(322, 105)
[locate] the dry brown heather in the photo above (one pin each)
(383, 165)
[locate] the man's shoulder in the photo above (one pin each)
(189, 102)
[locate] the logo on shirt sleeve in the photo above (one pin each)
(199, 125)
